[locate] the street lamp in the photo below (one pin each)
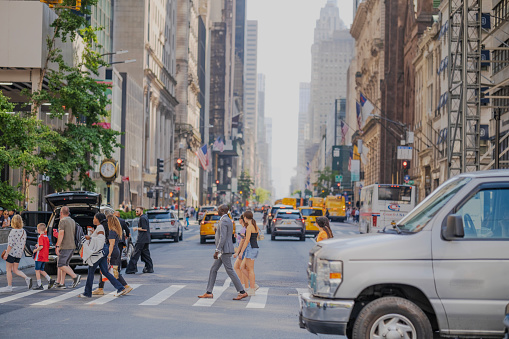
(117, 52)
(120, 62)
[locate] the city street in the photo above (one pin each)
(165, 304)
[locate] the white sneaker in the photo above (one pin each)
(6, 289)
(256, 287)
(251, 292)
(118, 294)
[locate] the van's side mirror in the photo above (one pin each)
(454, 228)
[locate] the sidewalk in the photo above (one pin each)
(26, 262)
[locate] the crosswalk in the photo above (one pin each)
(258, 301)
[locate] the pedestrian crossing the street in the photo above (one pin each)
(160, 296)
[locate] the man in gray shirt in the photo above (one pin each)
(65, 248)
(223, 255)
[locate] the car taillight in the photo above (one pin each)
(203, 222)
(300, 220)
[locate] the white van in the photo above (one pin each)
(382, 205)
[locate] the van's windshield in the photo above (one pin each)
(419, 217)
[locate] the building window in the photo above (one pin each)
(500, 13)
(500, 55)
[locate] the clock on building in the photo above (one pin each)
(109, 169)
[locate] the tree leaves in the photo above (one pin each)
(65, 155)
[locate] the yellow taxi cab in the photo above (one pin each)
(310, 214)
(207, 226)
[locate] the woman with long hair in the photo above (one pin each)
(250, 249)
(114, 255)
(325, 230)
(14, 252)
(241, 238)
(95, 248)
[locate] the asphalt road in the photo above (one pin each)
(165, 304)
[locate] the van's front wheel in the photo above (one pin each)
(392, 317)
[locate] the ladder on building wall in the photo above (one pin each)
(464, 104)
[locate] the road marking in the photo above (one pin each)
(216, 292)
(18, 296)
(109, 297)
(62, 297)
(163, 295)
(259, 299)
(302, 290)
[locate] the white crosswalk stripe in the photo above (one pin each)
(259, 299)
(163, 295)
(18, 296)
(109, 297)
(62, 297)
(216, 292)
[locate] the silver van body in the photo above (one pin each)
(459, 281)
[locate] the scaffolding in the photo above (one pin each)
(464, 92)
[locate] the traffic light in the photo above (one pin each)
(78, 5)
(175, 176)
(178, 164)
(339, 184)
(240, 192)
(150, 194)
(160, 165)
(406, 165)
(171, 194)
(217, 182)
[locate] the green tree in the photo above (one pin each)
(325, 180)
(245, 185)
(65, 155)
(262, 195)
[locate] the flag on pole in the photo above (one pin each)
(367, 107)
(203, 157)
(219, 144)
(344, 130)
(359, 115)
(350, 161)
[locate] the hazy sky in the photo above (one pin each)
(285, 36)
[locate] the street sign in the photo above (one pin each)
(404, 153)
(338, 178)
(158, 187)
(407, 177)
(179, 184)
(411, 182)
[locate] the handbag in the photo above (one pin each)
(3, 253)
(261, 236)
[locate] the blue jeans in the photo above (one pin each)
(103, 266)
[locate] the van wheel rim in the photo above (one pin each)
(393, 326)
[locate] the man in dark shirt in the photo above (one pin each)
(141, 247)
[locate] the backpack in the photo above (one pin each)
(78, 234)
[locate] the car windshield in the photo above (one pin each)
(289, 215)
(206, 209)
(212, 217)
(158, 216)
(418, 218)
(311, 212)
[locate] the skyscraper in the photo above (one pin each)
(303, 133)
(250, 102)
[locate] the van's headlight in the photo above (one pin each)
(329, 275)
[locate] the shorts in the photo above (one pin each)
(64, 259)
(12, 260)
(39, 265)
(251, 253)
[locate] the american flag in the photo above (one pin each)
(219, 144)
(202, 155)
(350, 161)
(344, 130)
(359, 115)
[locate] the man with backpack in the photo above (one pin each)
(65, 248)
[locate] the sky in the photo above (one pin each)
(285, 36)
